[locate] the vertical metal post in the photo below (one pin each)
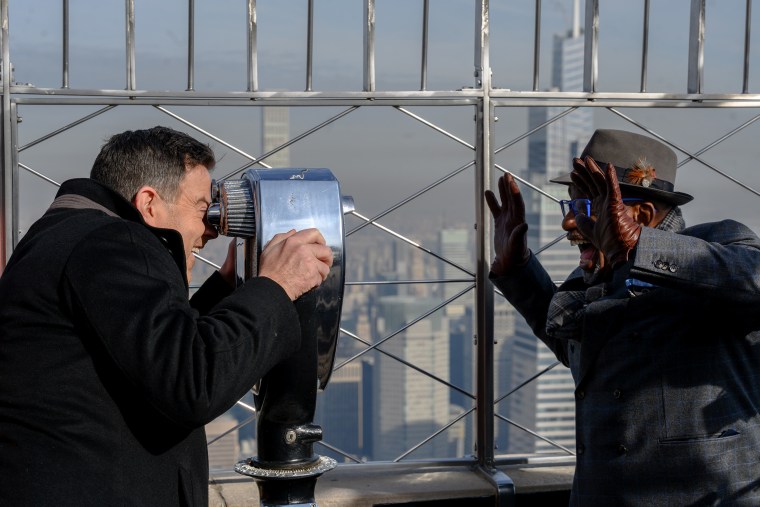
(190, 45)
(423, 63)
(484, 316)
(130, 20)
(696, 46)
(369, 45)
(747, 28)
(537, 46)
(591, 50)
(8, 201)
(13, 121)
(65, 69)
(645, 48)
(253, 56)
(309, 44)
(484, 294)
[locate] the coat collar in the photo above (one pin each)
(102, 195)
(610, 299)
(114, 204)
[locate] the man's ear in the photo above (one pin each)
(147, 202)
(645, 213)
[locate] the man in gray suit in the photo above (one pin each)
(659, 325)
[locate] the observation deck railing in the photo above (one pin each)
(389, 103)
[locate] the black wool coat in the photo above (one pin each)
(107, 372)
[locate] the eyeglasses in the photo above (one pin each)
(584, 205)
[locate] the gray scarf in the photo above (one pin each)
(75, 201)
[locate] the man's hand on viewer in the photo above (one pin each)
(613, 232)
(297, 261)
(510, 240)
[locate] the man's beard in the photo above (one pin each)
(594, 277)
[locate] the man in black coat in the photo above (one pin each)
(108, 373)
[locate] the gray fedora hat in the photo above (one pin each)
(645, 167)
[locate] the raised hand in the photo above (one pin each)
(298, 261)
(613, 232)
(509, 238)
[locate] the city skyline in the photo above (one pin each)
(397, 155)
(547, 405)
(370, 150)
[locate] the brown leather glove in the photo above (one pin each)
(509, 238)
(612, 231)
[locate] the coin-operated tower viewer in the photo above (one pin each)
(255, 207)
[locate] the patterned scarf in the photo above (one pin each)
(567, 307)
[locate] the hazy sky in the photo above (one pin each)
(380, 155)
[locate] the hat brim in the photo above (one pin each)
(674, 198)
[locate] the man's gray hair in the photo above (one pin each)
(157, 157)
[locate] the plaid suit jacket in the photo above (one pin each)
(667, 371)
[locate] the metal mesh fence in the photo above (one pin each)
(416, 107)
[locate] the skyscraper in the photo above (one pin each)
(408, 407)
(275, 131)
(344, 411)
(547, 404)
(224, 452)
(455, 245)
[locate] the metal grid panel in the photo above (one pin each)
(482, 98)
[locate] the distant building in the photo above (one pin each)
(225, 452)
(462, 375)
(455, 246)
(275, 131)
(547, 405)
(503, 330)
(408, 406)
(344, 411)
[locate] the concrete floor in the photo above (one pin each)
(366, 485)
